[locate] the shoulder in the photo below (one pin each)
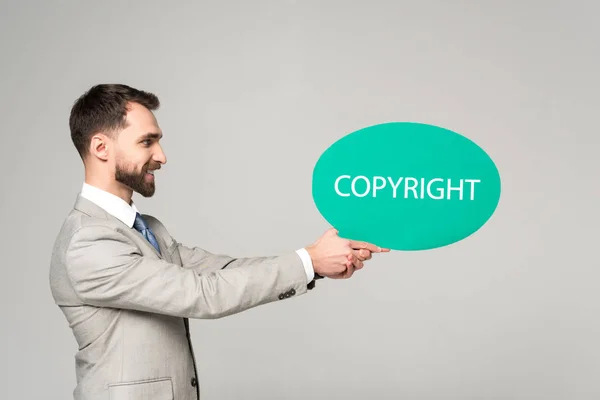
(78, 226)
(81, 240)
(74, 222)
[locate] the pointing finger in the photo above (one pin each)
(355, 244)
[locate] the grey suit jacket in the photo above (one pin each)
(128, 306)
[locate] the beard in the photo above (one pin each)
(136, 180)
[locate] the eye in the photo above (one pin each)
(146, 142)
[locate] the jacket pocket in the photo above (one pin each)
(155, 389)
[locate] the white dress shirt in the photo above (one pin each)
(126, 213)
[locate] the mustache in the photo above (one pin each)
(153, 167)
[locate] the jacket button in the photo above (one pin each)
(281, 296)
(292, 292)
(194, 382)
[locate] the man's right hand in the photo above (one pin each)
(337, 258)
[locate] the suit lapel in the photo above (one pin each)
(160, 246)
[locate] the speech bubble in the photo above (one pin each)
(406, 186)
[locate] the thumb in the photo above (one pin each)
(331, 232)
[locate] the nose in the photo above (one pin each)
(159, 156)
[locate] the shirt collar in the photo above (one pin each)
(112, 204)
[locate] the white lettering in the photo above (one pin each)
(460, 189)
(354, 186)
(440, 190)
(396, 185)
(472, 181)
(337, 182)
(375, 187)
(436, 188)
(407, 188)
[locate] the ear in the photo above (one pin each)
(99, 146)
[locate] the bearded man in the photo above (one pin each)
(128, 288)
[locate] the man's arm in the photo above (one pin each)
(203, 261)
(323, 258)
(107, 270)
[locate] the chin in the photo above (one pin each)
(147, 192)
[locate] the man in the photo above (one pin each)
(127, 288)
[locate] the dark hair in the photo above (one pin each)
(102, 109)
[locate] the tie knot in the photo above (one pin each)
(139, 223)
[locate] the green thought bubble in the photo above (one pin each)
(406, 186)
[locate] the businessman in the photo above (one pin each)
(128, 288)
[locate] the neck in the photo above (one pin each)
(110, 186)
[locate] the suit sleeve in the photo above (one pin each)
(107, 270)
(203, 261)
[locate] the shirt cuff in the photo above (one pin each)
(307, 261)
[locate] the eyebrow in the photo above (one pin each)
(151, 135)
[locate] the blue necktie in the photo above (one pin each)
(145, 230)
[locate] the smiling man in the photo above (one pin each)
(127, 288)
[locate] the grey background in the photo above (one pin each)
(252, 93)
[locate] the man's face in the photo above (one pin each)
(138, 152)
